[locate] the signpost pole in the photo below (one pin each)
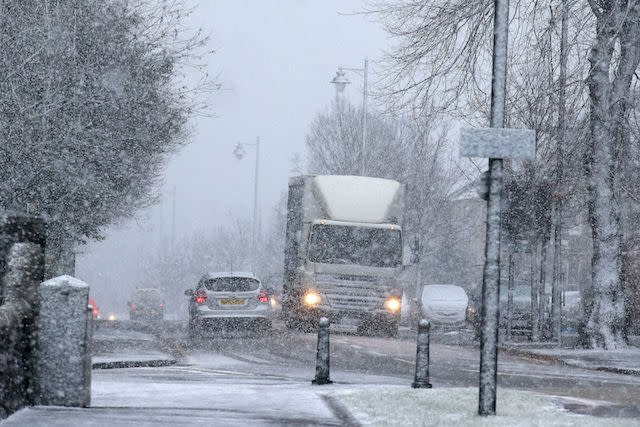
(491, 273)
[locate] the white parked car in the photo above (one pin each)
(444, 304)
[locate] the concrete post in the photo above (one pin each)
(421, 379)
(64, 359)
(322, 354)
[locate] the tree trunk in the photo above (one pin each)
(542, 298)
(60, 259)
(608, 100)
(535, 332)
(510, 298)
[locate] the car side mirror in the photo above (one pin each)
(189, 292)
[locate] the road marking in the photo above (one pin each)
(217, 371)
(402, 360)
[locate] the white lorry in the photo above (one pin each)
(343, 253)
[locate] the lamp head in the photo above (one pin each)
(340, 80)
(238, 151)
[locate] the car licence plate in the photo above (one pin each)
(232, 301)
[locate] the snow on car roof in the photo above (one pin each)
(218, 274)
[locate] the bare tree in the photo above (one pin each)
(334, 143)
(614, 58)
(91, 106)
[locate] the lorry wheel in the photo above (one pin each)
(386, 329)
(297, 324)
(289, 322)
(392, 330)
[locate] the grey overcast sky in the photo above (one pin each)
(274, 60)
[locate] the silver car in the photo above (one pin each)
(227, 301)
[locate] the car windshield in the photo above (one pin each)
(231, 284)
(443, 293)
(337, 244)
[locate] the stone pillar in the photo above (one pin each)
(24, 267)
(16, 228)
(63, 351)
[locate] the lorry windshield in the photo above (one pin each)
(338, 244)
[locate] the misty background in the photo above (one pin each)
(273, 61)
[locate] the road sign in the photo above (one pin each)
(498, 143)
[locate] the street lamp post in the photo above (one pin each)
(340, 81)
(239, 153)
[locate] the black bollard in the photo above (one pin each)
(322, 355)
(422, 356)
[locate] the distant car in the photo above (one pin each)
(95, 309)
(147, 304)
(521, 320)
(228, 301)
(444, 304)
(273, 284)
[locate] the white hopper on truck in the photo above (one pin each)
(343, 252)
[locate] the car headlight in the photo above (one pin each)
(393, 304)
(311, 298)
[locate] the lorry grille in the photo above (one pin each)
(351, 292)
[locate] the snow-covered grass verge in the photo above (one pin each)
(390, 406)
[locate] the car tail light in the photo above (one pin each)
(263, 296)
(201, 297)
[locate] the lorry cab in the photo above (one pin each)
(343, 254)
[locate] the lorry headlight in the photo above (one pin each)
(393, 304)
(311, 298)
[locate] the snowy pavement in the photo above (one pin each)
(266, 380)
(626, 361)
(121, 348)
(458, 407)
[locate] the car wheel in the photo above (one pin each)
(290, 322)
(390, 329)
(298, 324)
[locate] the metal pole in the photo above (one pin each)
(421, 378)
(322, 354)
(556, 293)
(364, 117)
(491, 273)
(173, 220)
(254, 251)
